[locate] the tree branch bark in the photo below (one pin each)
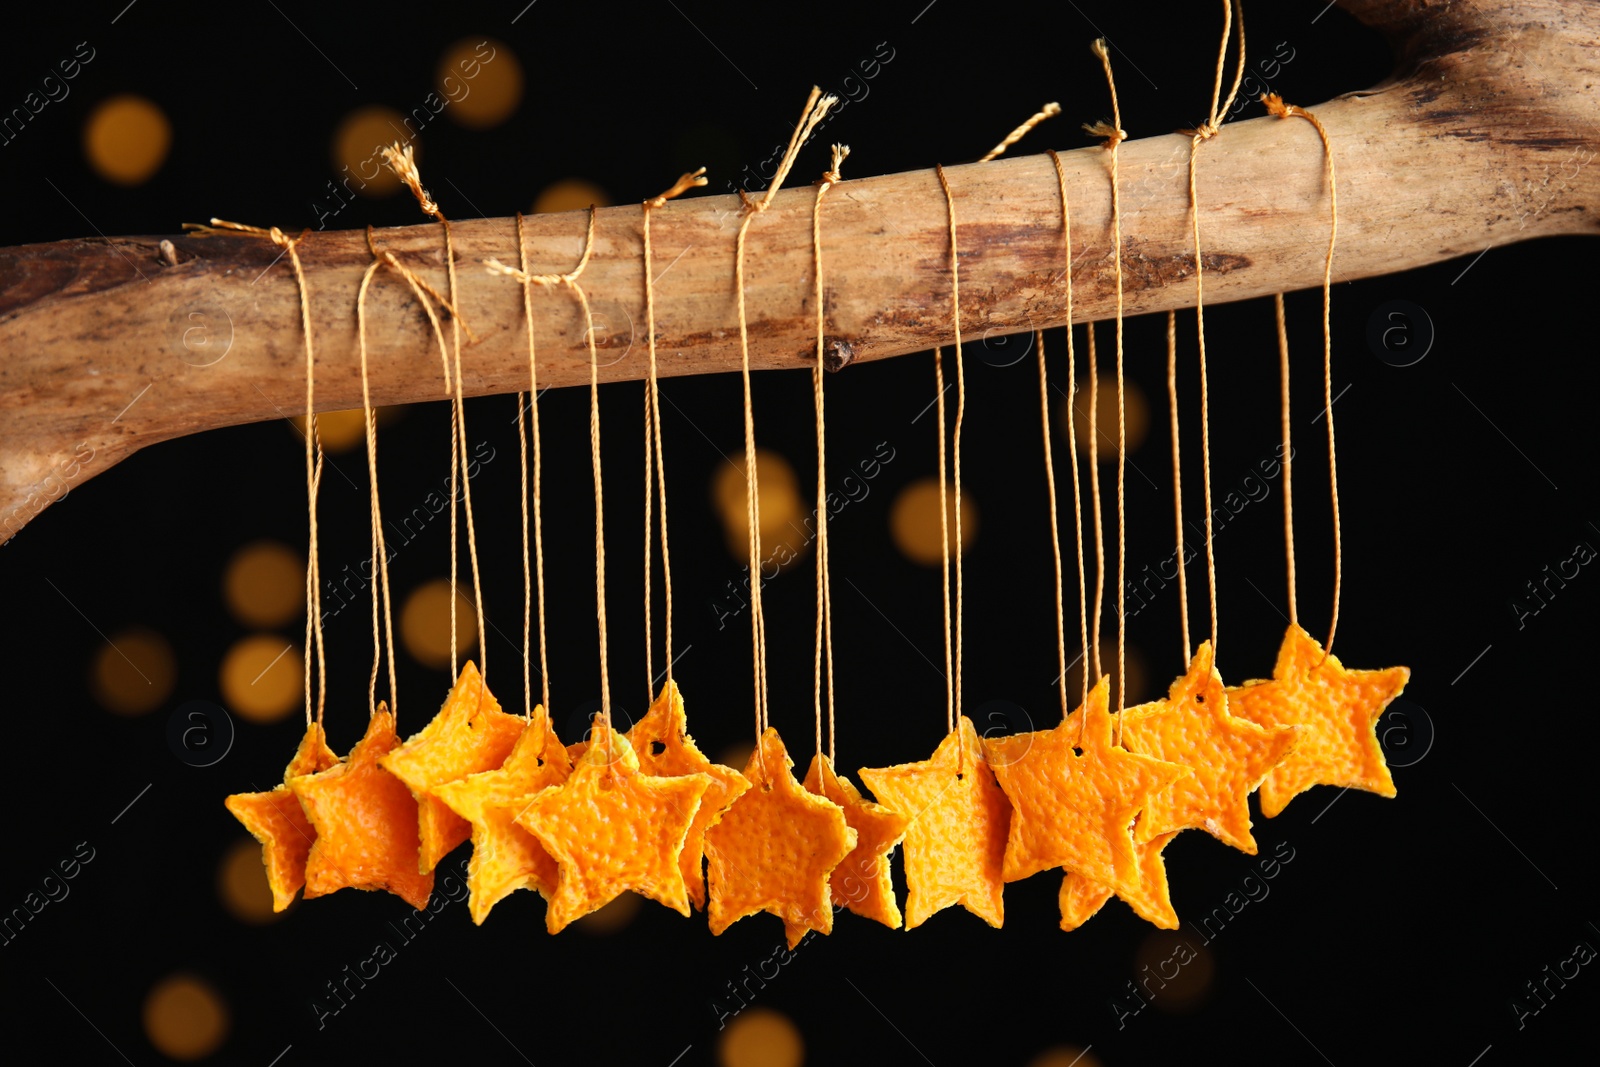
(1485, 136)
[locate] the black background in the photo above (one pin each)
(1401, 930)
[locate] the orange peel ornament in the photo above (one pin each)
(774, 849)
(1150, 899)
(661, 741)
(1075, 796)
(505, 857)
(280, 824)
(955, 842)
(1337, 713)
(366, 822)
(611, 828)
(861, 882)
(1228, 755)
(469, 734)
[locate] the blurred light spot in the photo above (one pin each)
(357, 149)
(1137, 674)
(126, 139)
(914, 521)
(242, 883)
(265, 584)
(184, 1018)
(1064, 1056)
(737, 755)
(613, 917)
(570, 194)
(339, 431)
(134, 672)
(784, 535)
(481, 82)
(761, 1037)
(1178, 968)
(425, 623)
(1136, 408)
(262, 677)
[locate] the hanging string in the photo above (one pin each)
(1047, 112)
(1114, 136)
(401, 161)
(830, 178)
(1199, 136)
(538, 528)
(1055, 526)
(313, 454)
(816, 108)
(1277, 107)
(569, 280)
(961, 410)
(652, 434)
(379, 550)
(1094, 493)
(1177, 481)
(944, 548)
(1288, 454)
(1072, 441)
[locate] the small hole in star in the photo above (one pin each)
(1076, 751)
(960, 775)
(657, 747)
(1199, 698)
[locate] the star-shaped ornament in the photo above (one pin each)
(1081, 897)
(955, 843)
(1228, 756)
(277, 821)
(366, 822)
(1075, 795)
(611, 828)
(469, 734)
(662, 742)
(774, 849)
(861, 882)
(1336, 711)
(505, 857)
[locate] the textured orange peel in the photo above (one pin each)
(862, 880)
(280, 824)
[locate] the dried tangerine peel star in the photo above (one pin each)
(861, 882)
(470, 734)
(1228, 755)
(612, 828)
(955, 842)
(278, 822)
(1076, 810)
(505, 857)
(366, 822)
(1336, 711)
(662, 742)
(774, 849)
(1151, 900)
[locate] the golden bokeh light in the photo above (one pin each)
(761, 1037)
(358, 145)
(1135, 407)
(613, 917)
(1176, 968)
(1064, 1056)
(785, 537)
(242, 883)
(185, 1018)
(262, 677)
(570, 194)
(914, 521)
(1138, 675)
(265, 584)
(127, 139)
(425, 623)
(737, 754)
(480, 80)
(133, 673)
(339, 431)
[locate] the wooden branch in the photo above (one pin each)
(1485, 136)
